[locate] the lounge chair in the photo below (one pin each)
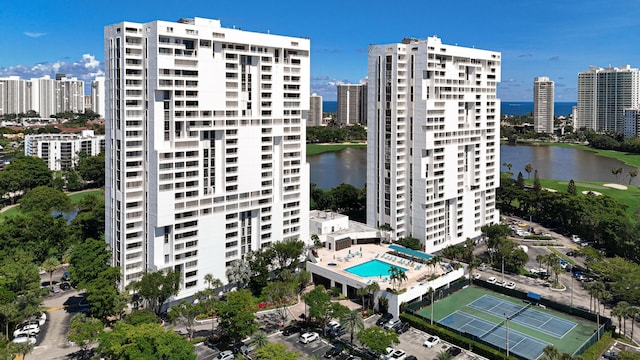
(377, 255)
(339, 259)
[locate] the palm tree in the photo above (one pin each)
(362, 292)
(632, 173)
(632, 312)
(372, 290)
(260, 339)
(620, 311)
(557, 269)
(617, 171)
(443, 355)
(550, 260)
(397, 275)
(352, 322)
(50, 265)
(238, 272)
(212, 283)
(528, 168)
(540, 258)
(550, 353)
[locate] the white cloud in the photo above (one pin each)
(34, 34)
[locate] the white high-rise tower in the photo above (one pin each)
(433, 145)
(543, 102)
(205, 156)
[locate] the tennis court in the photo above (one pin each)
(525, 315)
(484, 315)
(496, 334)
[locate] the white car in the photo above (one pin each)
(309, 337)
(29, 329)
(510, 285)
(476, 276)
(492, 280)
(431, 341)
(24, 339)
(397, 355)
(42, 318)
(391, 324)
(226, 355)
(500, 283)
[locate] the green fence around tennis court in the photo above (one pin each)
(577, 348)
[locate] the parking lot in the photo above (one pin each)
(411, 342)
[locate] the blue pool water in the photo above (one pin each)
(372, 268)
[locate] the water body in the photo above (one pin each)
(349, 166)
(330, 169)
(506, 107)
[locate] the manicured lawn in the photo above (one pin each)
(629, 197)
(314, 149)
(77, 197)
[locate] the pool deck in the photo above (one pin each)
(417, 272)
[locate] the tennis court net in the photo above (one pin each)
(492, 329)
(519, 311)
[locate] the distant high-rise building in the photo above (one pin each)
(314, 118)
(631, 122)
(604, 94)
(205, 152)
(43, 95)
(14, 96)
(352, 104)
(433, 140)
(61, 151)
(97, 95)
(543, 104)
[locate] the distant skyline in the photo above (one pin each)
(557, 39)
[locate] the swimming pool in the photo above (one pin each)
(372, 268)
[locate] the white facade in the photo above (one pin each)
(61, 151)
(631, 123)
(604, 94)
(433, 151)
(352, 104)
(97, 96)
(205, 157)
(315, 110)
(543, 90)
(43, 95)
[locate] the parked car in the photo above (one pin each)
(226, 355)
(402, 327)
(397, 355)
(24, 339)
(476, 276)
(66, 276)
(240, 348)
(510, 285)
(499, 283)
(331, 325)
(291, 329)
(431, 341)
(64, 286)
(454, 351)
(334, 351)
(309, 337)
(391, 324)
(385, 318)
(338, 331)
(411, 357)
(30, 329)
(492, 280)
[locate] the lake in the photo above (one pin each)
(349, 166)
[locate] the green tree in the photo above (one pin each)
(44, 199)
(280, 294)
(50, 265)
(142, 342)
(103, 296)
(320, 306)
(620, 311)
(142, 316)
(377, 339)
(617, 171)
(89, 259)
(84, 331)
(154, 288)
(302, 280)
(411, 243)
(276, 352)
(632, 174)
(520, 181)
(237, 314)
(89, 222)
(238, 272)
(185, 313)
(536, 182)
(528, 168)
(352, 322)
(259, 262)
(260, 339)
(443, 355)
(571, 188)
(397, 276)
(24, 173)
(92, 169)
(286, 254)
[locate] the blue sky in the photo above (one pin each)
(556, 38)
